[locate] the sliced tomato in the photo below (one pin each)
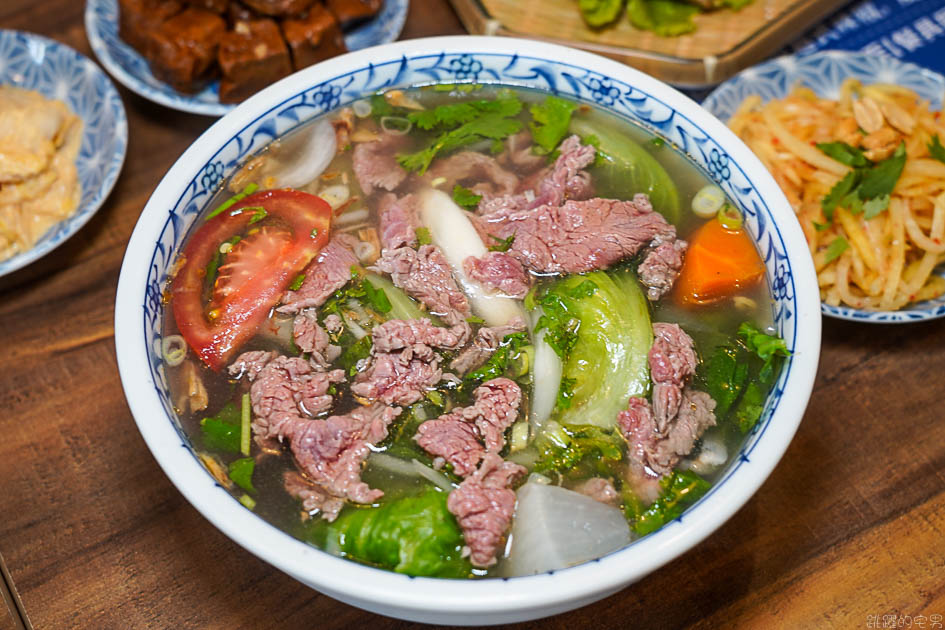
(276, 245)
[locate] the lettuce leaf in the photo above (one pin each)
(664, 17)
(415, 535)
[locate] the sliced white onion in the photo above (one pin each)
(556, 528)
(413, 468)
(707, 201)
(364, 251)
(453, 232)
(356, 330)
(335, 195)
(546, 378)
(361, 109)
(352, 216)
(435, 477)
(308, 153)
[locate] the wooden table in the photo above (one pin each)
(849, 528)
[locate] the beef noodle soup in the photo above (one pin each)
(468, 331)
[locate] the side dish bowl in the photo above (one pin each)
(194, 179)
(58, 72)
(824, 73)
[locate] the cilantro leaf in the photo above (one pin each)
(936, 150)
(564, 447)
(839, 191)
(465, 198)
(241, 472)
(498, 363)
(874, 206)
(222, 432)
(297, 282)
(494, 126)
(765, 346)
(550, 122)
(844, 153)
(881, 179)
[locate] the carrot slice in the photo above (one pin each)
(720, 263)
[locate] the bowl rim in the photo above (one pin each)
(344, 579)
(83, 213)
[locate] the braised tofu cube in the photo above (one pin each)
(183, 50)
(137, 18)
(313, 38)
(280, 8)
(252, 56)
(217, 6)
(352, 12)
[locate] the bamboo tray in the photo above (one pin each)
(723, 43)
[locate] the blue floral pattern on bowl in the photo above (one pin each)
(131, 69)
(824, 72)
(57, 71)
(628, 100)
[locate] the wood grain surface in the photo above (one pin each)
(849, 529)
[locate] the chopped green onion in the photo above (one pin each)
(297, 283)
(259, 214)
(244, 426)
(246, 192)
(173, 350)
(729, 217)
(708, 201)
(248, 502)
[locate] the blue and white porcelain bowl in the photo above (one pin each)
(192, 181)
(824, 73)
(56, 71)
(131, 69)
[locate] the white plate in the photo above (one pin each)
(132, 70)
(824, 72)
(57, 71)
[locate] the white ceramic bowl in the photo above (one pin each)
(192, 181)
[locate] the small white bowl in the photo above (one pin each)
(195, 177)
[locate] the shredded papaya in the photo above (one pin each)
(721, 261)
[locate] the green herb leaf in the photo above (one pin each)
(836, 247)
(472, 319)
(844, 153)
(502, 244)
(874, 206)
(678, 491)
(936, 150)
(246, 192)
(297, 282)
(820, 227)
(380, 107)
(550, 122)
(423, 236)
(839, 191)
(222, 432)
(749, 408)
(376, 297)
(465, 198)
(462, 124)
(725, 377)
(565, 393)
(881, 179)
(241, 472)
(498, 363)
(361, 349)
(562, 450)
(766, 347)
